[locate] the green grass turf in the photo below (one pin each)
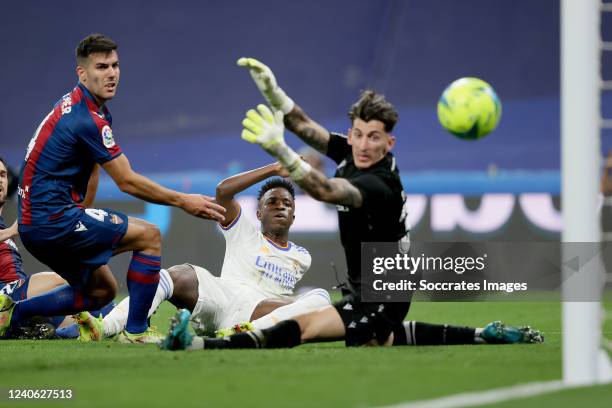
(591, 397)
(107, 374)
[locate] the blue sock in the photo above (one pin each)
(142, 281)
(72, 330)
(61, 301)
(104, 311)
(69, 332)
(56, 320)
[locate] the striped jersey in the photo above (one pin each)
(59, 160)
(10, 260)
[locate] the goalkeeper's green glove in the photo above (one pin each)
(266, 82)
(266, 129)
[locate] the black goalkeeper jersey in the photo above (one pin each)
(381, 218)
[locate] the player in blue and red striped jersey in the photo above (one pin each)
(13, 280)
(59, 172)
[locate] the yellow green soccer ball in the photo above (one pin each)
(469, 108)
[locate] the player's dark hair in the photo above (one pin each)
(92, 44)
(276, 182)
(374, 106)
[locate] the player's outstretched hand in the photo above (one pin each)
(265, 128)
(204, 207)
(266, 82)
(9, 232)
(280, 170)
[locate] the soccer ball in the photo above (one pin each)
(469, 108)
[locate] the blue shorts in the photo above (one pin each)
(16, 290)
(81, 242)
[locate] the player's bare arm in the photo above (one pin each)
(266, 129)
(146, 189)
(228, 188)
(315, 135)
(9, 232)
(331, 190)
(92, 187)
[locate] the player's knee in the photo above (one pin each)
(105, 294)
(181, 276)
(155, 234)
(317, 298)
(109, 295)
(185, 281)
(153, 238)
(56, 279)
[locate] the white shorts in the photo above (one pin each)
(222, 303)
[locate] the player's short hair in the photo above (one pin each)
(92, 44)
(276, 182)
(374, 106)
(4, 162)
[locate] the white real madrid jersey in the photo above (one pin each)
(252, 258)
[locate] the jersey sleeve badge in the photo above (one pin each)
(107, 137)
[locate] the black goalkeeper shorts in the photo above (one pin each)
(364, 322)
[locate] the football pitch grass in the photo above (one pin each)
(107, 374)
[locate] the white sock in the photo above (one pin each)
(308, 302)
(115, 321)
(410, 337)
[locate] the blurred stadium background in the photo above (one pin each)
(177, 116)
(182, 98)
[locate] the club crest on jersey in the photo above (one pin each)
(115, 219)
(66, 104)
(107, 137)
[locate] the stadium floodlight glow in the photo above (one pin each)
(583, 360)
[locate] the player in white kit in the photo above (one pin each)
(260, 270)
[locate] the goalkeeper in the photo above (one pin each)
(368, 193)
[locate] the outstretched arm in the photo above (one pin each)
(330, 190)
(146, 189)
(228, 188)
(266, 129)
(307, 129)
(296, 119)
